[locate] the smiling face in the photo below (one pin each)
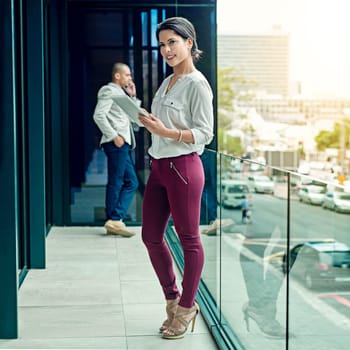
(175, 49)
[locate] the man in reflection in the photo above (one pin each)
(117, 141)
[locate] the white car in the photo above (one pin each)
(312, 194)
(261, 184)
(304, 169)
(337, 201)
(233, 192)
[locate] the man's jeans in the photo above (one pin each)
(209, 200)
(122, 180)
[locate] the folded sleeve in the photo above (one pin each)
(201, 108)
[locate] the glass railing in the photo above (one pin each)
(277, 258)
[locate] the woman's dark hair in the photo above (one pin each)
(184, 28)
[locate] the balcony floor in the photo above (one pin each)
(97, 292)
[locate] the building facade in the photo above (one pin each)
(263, 60)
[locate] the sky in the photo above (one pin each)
(319, 33)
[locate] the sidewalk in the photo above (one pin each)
(97, 292)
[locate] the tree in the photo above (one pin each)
(228, 79)
(234, 145)
(226, 96)
(229, 144)
(331, 139)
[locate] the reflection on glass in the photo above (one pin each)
(244, 246)
(252, 278)
(319, 268)
(294, 121)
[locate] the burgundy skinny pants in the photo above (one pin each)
(175, 188)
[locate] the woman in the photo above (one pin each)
(181, 124)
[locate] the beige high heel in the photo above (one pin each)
(171, 307)
(182, 319)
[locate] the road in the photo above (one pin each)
(307, 222)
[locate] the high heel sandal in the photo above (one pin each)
(182, 319)
(171, 307)
(269, 326)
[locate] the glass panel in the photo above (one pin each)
(319, 265)
(271, 103)
(210, 225)
(155, 75)
(144, 24)
(253, 299)
(92, 55)
(154, 23)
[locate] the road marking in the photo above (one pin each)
(338, 298)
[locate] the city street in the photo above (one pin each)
(307, 222)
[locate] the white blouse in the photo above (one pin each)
(187, 105)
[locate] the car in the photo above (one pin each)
(337, 201)
(237, 165)
(299, 181)
(312, 194)
(319, 264)
(304, 169)
(232, 192)
(261, 184)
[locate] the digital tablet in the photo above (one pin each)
(130, 107)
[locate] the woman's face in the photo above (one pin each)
(174, 48)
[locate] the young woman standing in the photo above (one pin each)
(181, 125)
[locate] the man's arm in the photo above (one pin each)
(102, 108)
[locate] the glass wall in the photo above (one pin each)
(277, 258)
(98, 36)
(98, 47)
(253, 286)
(281, 277)
(319, 265)
(243, 250)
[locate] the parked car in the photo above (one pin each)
(337, 201)
(261, 184)
(304, 168)
(299, 181)
(232, 192)
(312, 194)
(317, 264)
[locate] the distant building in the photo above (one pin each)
(296, 110)
(263, 59)
(286, 123)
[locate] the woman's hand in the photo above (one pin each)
(156, 126)
(153, 124)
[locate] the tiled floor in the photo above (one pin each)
(97, 292)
